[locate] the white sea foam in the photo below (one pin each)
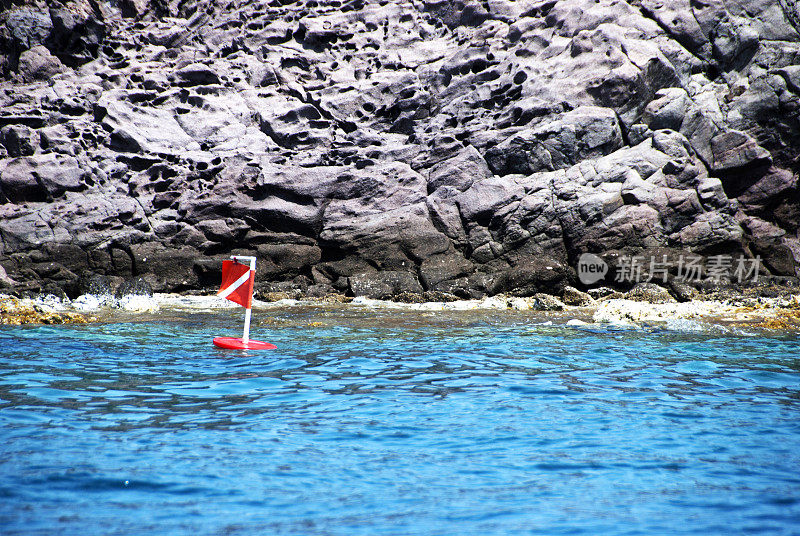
(685, 324)
(370, 302)
(575, 322)
(92, 302)
(460, 305)
(49, 303)
(493, 303)
(138, 303)
(194, 303)
(135, 303)
(278, 303)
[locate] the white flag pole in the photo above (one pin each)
(246, 332)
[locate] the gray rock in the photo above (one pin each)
(195, 74)
(41, 177)
(284, 260)
(758, 194)
(603, 292)
(38, 64)
(444, 267)
(19, 140)
(712, 193)
(460, 171)
(679, 20)
(78, 31)
(547, 302)
(682, 291)
(484, 198)
(573, 296)
(456, 13)
(537, 275)
(28, 27)
(95, 284)
(672, 143)
(734, 149)
(137, 286)
(587, 132)
(134, 128)
(444, 213)
(699, 129)
(734, 42)
(778, 251)
(649, 292)
(384, 285)
(320, 290)
(668, 109)
(18, 183)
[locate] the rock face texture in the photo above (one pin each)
(380, 148)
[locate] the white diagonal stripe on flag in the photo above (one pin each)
(236, 284)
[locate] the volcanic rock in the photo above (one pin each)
(376, 149)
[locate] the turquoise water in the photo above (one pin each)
(390, 422)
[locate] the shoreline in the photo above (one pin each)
(772, 314)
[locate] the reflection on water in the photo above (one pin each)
(379, 421)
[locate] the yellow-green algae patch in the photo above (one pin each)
(13, 312)
(785, 315)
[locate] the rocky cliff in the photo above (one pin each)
(376, 147)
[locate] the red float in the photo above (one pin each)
(233, 343)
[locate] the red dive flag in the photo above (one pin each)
(237, 283)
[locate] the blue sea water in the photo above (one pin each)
(377, 421)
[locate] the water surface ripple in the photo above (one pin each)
(368, 422)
